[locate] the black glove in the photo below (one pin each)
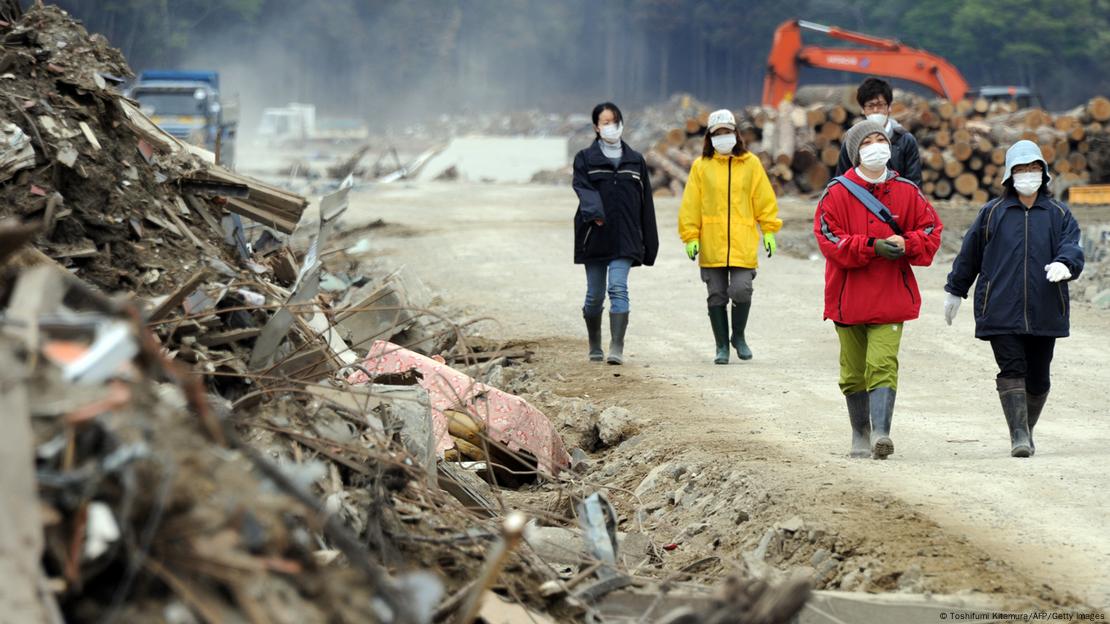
(888, 250)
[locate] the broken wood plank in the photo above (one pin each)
(228, 337)
(280, 223)
(178, 296)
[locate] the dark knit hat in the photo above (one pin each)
(856, 134)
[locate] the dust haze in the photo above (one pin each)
(400, 73)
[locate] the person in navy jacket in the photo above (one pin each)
(1021, 252)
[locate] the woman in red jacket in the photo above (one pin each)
(872, 226)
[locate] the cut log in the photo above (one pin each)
(815, 116)
(804, 158)
(945, 110)
(952, 166)
(1077, 161)
(975, 163)
(998, 156)
(963, 135)
(929, 188)
(942, 138)
(962, 151)
(782, 172)
(1099, 109)
(933, 159)
(942, 189)
(838, 114)
(681, 158)
(981, 106)
(836, 95)
(816, 177)
(980, 196)
(693, 126)
(675, 136)
(783, 150)
(659, 161)
(832, 130)
(1049, 152)
(1062, 165)
(830, 155)
(966, 184)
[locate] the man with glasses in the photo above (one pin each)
(875, 97)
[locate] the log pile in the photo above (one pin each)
(963, 145)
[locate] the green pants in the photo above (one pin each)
(869, 356)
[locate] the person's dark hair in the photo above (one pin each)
(601, 108)
(872, 88)
(707, 149)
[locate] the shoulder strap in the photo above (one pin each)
(871, 202)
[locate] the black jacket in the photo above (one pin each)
(1005, 253)
(905, 158)
(621, 198)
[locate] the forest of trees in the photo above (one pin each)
(391, 58)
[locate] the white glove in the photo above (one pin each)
(951, 307)
(1057, 272)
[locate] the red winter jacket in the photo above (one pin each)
(862, 287)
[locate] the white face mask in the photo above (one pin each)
(723, 143)
(611, 133)
(1027, 183)
(879, 118)
(874, 155)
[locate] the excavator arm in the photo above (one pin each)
(885, 57)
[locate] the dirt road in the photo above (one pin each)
(505, 251)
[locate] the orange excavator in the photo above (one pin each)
(882, 57)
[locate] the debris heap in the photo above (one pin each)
(261, 428)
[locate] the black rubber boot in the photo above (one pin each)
(618, 323)
(1015, 406)
(859, 413)
(718, 319)
(881, 403)
(740, 313)
(593, 332)
(1036, 405)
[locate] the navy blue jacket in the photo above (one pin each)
(619, 196)
(1005, 253)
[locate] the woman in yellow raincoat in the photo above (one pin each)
(728, 212)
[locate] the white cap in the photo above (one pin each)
(721, 119)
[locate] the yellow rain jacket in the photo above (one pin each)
(725, 199)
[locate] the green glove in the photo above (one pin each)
(692, 249)
(888, 250)
(769, 244)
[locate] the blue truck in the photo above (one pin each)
(188, 105)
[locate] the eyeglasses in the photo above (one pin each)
(1033, 167)
(875, 106)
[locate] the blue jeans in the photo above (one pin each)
(617, 271)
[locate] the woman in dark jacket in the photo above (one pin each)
(1021, 252)
(614, 228)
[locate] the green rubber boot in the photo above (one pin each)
(718, 319)
(740, 313)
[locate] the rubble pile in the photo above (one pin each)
(219, 413)
(116, 197)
